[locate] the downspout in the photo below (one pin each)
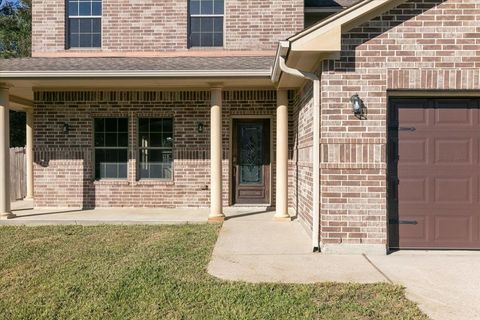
(316, 144)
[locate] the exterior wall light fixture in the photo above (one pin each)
(200, 127)
(358, 107)
(66, 128)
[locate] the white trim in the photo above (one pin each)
(84, 17)
(136, 74)
(213, 15)
(323, 10)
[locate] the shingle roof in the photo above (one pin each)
(242, 63)
(329, 3)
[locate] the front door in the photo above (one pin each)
(251, 161)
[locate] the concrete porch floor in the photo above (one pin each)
(26, 214)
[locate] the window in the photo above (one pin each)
(84, 23)
(155, 140)
(111, 148)
(206, 23)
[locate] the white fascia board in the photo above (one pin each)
(136, 74)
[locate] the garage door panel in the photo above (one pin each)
(436, 162)
(413, 190)
(453, 117)
(413, 116)
(453, 229)
(453, 190)
(454, 151)
(413, 151)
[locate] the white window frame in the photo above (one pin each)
(67, 6)
(206, 16)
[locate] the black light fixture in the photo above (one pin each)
(66, 128)
(358, 107)
(200, 127)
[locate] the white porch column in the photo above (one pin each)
(216, 209)
(5, 211)
(29, 154)
(282, 156)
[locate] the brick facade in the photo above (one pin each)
(417, 46)
(155, 26)
(64, 165)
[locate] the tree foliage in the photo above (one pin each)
(15, 28)
(15, 42)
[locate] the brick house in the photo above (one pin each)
(360, 119)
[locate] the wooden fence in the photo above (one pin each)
(18, 174)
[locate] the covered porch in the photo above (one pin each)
(62, 103)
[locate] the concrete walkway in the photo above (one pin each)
(254, 248)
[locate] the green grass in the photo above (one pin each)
(159, 272)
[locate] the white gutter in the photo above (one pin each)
(284, 47)
(135, 74)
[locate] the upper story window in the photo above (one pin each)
(84, 23)
(206, 23)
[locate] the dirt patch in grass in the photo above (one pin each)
(159, 272)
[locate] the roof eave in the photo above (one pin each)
(324, 38)
(135, 74)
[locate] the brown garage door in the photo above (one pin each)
(434, 171)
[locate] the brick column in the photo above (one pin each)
(216, 210)
(5, 211)
(282, 156)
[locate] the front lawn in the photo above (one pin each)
(159, 272)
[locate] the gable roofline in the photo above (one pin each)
(322, 40)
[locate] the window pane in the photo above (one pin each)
(218, 39)
(144, 140)
(123, 139)
(122, 170)
(123, 125)
(85, 25)
(155, 125)
(167, 139)
(111, 124)
(96, 41)
(218, 24)
(143, 125)
(218, 7)
(99, 125)
(194, 7)
(195, 25)
(195, 39)
(156, 139)
(74, 25)
(73, 8)
(111, 139)
(99, 139)
(207, 7)
(85, 40)
(207, 25)
(96, 25)
(168, 125)
(206, 40)
(85, 9)
(74, 40)
(96, 8)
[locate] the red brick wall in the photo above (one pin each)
(423, 44)
(301, 183)
(153, 26)
(63, 162)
